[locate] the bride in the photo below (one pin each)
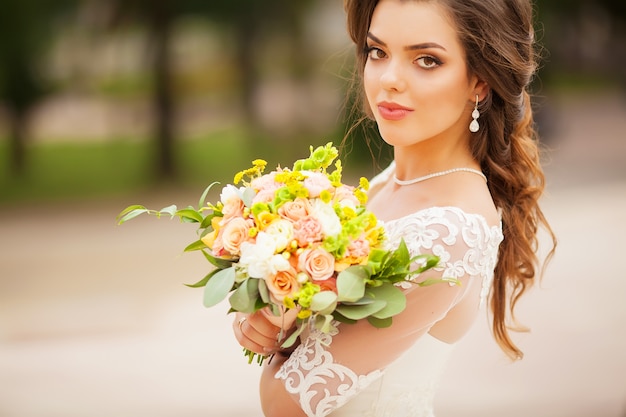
(446, 82)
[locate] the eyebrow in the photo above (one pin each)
(418, 46)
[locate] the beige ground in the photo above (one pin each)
(95, 321)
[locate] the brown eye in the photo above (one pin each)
(428, 62)
(375, 53)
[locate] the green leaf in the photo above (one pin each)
(380, 323)
(394, 298)
(206, 222)
(427, 261)
(221, 263)
(219, 286)
(432, 281)
(247, 196)
(190, 215)
(264, 292)
(171, 210)
(358, 312)
(324, 302)
(351, 283)
(204, 194)
(130, 212)
(204, 280)
(244, 298)
(324, 323)
(342, 319)
(293, 337)
(197, 245)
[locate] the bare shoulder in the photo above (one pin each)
(469, 194)
(472, 197)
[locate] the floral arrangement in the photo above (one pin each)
(298, 239)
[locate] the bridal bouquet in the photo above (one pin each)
(298, 239)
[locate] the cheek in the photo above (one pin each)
(370, 86)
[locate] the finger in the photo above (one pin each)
(249, 337)
(285, 321)
(263, 326)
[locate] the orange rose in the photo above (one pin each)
(295, 210)
(318, 263)
(283, 284)
(234, 233)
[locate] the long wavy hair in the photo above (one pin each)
(498, 39)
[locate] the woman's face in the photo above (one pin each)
(416, 79)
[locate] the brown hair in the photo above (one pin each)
(498, 39)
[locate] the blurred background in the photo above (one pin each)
(107, 103)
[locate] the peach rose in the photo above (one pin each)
(318, 263)
(265, 187)
(283, 284)
(329, 284)
(308, 230)
(230, 198)
(264, 196)
(315, 183)
(344, 195)
(234, 233)
(359, 248)
(295, 210)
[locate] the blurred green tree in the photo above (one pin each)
(247, 18)
(25, 29)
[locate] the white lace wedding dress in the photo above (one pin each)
(362, 371)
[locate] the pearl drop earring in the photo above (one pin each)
(474, 126)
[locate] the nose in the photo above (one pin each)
(392, 78)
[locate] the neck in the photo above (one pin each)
(432, 156)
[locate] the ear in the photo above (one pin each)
(480, 88)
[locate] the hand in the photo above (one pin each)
(260, 331)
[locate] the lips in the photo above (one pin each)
(392, 111)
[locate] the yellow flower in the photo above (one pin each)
(209, 238)
(265, 218)
(303, 314)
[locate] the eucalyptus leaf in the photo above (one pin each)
(351, 283)
(324, 323)
(324, 302)
(393, 296)
(243, 298)
(292, 337)
(247, 196)
(264, 292)
(362, 311)
(380, 323)
(219, 286)
(341, 318)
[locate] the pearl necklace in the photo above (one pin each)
(437, 174)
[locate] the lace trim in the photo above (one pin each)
(320, 384)
(438, 228)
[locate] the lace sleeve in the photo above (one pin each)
(327, 370)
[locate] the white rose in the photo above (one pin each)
(282, 233)
(325, 214)
(260, 259)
